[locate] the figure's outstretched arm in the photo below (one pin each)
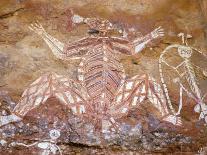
(140, 43)
(59, 49)
(55, 45)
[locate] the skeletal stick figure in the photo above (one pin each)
(48, 146)
(185, 52)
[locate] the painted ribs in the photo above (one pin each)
(101, 73)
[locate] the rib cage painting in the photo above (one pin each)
(103, 77)
(102, 92)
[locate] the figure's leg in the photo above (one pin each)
(200, 107)
(204, 100)
(73, 95)
(51, 84)
(134, 91)
(157, 98)
(36, 93)
(123, 100)
(181, 101)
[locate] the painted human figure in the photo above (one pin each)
(186, 75)
(102, 91)
(48, 146)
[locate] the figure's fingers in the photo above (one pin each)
(205, 73)
(33, 27)
(160, 27)
(160, 30)
(40, 25)
(37, 26)
(162, 35)
(37, 21)
(30, 28)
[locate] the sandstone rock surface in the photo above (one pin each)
(24, 57)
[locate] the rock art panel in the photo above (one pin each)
(111, 89)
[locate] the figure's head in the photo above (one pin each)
(185, 51)
(54, 134)
(96, 25)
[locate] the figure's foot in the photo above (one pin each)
(202, 109)
(110, 125)
(9, 119)
(205, 119)
(203, 115)
(176, 120)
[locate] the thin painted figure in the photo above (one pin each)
(102, 92)
(185, 72)
(48, 146)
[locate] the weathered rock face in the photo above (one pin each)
(24, 57)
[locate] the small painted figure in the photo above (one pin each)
(48, 146)
(186, 74)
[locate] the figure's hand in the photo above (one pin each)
(37, 28)
(205, 73)
(176, 120)
(77, 19)
(176, 80)
(158, 32)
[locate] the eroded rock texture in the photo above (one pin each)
(24, 57)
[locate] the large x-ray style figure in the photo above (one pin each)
(102, 91)
(185, 71)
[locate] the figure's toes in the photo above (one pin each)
(161, 30)
(32, 25)
(158, 28)
(205, 119)
(179, 122)
(9, 119)
(162, 35)
(30, 28)
(4, 120)
(37, 25)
